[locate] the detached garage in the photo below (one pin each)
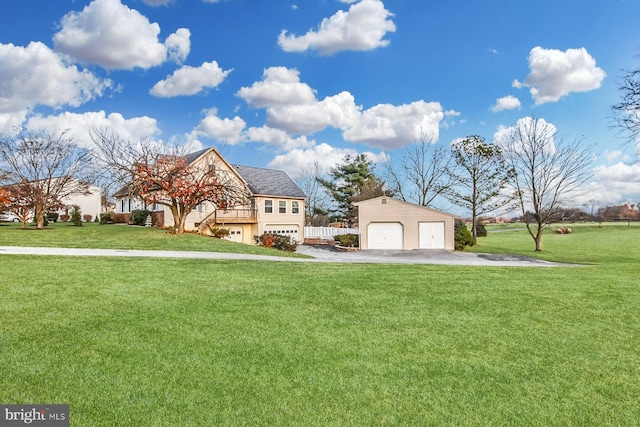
(387, 223)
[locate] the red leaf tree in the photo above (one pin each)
(160, 175)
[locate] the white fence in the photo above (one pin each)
(327, 232)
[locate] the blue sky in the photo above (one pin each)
(284, 84)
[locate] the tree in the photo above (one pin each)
(168, 176)
(482, 176)
(42, 169)
(422, 174)
(546, 171)
(626, 113)
(347, 180)
(316, 204)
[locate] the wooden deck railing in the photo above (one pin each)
(236, 216)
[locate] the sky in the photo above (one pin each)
(287, 83)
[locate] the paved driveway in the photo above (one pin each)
(320, 254)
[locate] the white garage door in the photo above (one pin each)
(291, 230)
(431, 235)
(385, 235)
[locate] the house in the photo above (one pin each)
(276, 203)
(88, 198)
(90, 203)
(387, 223)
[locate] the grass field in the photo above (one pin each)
(153, 342)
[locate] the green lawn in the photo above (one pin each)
(120, 236)
(153, 342)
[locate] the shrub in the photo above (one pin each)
(219, 233)
(76, 216)
(87, 217)
(119, 218)
(276, 241)
(463, 236)
(105, 218)
(52, 216)
(347, 240)
(64, 217)
(481, 230)
(139, 216)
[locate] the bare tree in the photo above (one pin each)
(482, 177)
(317, 202)
(547, 171)
(168, 176)
(45, 167)
(626, 113)
(421, 175)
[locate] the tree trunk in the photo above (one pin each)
(39, 214)
(538, 240)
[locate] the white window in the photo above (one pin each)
(268, 206)
(295, 207)
(282, 206)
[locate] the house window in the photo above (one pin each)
(268, 206)
(295, 207)
(282, 206)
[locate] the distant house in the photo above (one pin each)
(387, 223)
(276, 204)
(90, 203)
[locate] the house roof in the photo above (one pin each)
(377, 200)
(261, 182)
(269, 182)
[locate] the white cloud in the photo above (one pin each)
(35, 75)
(362, 27)
(338, 111)
(616, 183)
(178, 45)
(108, 33)
(280, 86)
(278, 138)
(293, 108)
(507, 136)
(80, 125)
(555, 73)
(225, 130)
(190, 80)
(389, 126)
(506, 103)
(299, 160)
(612, 155)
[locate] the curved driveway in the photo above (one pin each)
(319, 253)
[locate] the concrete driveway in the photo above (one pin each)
(322, 253)
(319, 253)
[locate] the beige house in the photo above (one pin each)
(387, 223)
(276, 204)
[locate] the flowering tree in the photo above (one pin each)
(170, 176)
(40, 169)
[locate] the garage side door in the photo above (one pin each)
(431, 235)
(385, 235)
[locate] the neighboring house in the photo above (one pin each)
(89, 203)
(387, 223)
(276, 205)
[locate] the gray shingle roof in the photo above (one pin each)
(269, 182)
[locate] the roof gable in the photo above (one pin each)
(378, 200)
